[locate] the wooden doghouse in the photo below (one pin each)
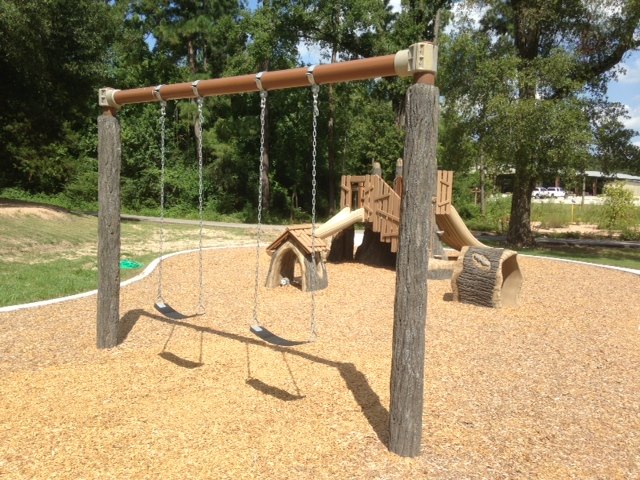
(293, 247)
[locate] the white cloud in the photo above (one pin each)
(633, 121)
(632, 74)
(465, 14)
(311, 53)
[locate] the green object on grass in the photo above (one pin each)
(129, 264)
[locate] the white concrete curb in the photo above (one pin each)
(151, 267)
(610, 267)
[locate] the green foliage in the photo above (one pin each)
(523, 87)
(463, 196)
(496, 218)
(57, 54)
(371, 135)
(618, 210)
(551, 215)
(631, 234)
(52, 64)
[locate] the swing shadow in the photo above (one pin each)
(368, 400)
(272, 391)
(179, 361)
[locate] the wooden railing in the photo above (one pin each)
(380, 202)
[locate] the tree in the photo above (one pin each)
(559, 51)
(347, 29)
(51, 68)
(613, 149)
(198, 35)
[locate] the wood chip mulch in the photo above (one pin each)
(548, 389)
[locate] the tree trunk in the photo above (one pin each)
(191, 53)
(109, 162)
(410, 307)
(519, 234)
(483, 181)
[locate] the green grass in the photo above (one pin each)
(43, 258)
(24, 282)
(550, 215)
(618, 257)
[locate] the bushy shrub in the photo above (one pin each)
(630, 234)
(618, 209)
(496, 218)
(551, 215)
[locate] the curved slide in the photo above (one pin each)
(341, 220)
(456, 234)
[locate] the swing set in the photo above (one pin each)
(418, 61)
(160, 305)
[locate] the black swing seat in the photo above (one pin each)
(274, 339)
(170, 312)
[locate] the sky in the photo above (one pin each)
(625, 90)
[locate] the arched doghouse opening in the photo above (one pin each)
(283, 268)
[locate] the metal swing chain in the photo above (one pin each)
(200, 310)
(263, 105)
(161, 121)
(314, 89)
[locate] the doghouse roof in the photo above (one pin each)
(300, 236)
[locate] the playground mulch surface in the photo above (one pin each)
(548, 389)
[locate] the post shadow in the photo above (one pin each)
(368, 400)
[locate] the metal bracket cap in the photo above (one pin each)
(422, 57)
(259, 81)
(106, 98)
(310, 77)
(156, 92)
(194, 89)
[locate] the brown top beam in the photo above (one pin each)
(403, 63)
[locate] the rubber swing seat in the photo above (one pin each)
(169, 312)
(274, 339)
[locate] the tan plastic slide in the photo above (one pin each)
(341, 220)
(456, 234)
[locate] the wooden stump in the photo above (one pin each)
(342, 246)
(488, 277)
(374, 252)
(283, 265)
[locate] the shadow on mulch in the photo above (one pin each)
(373, 410)
(179, 361)
(272, 391)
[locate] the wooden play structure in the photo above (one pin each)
(380, 202)
(481, 275)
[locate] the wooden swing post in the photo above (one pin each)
(109, 162)
(412, 263)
